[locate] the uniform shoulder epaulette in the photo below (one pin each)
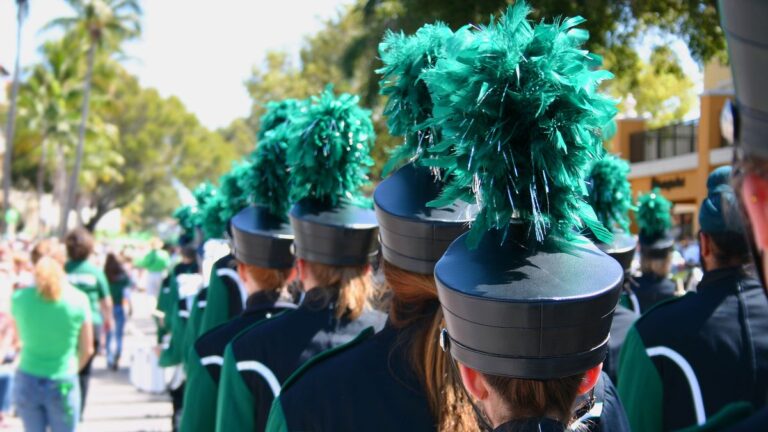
(665, 302)
(319, 358)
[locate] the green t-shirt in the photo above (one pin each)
(49, 331)
(117, 289)
(91, 280)
(156, 261)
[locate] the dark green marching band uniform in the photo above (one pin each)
(523, 294)
(259, 238)
(656, 243)
(328, 157)
(225, 295)
(413, 237)
(689, 358)
(610, 194)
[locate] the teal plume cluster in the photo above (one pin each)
(315, 148)
(409, 102)
(330, 146)
(654, 216)
(268, 179)
(610, 193)
(521, 122)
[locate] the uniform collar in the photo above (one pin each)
(262, 300)
(542, 424)
(721, 276)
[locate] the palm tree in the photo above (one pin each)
(22, 8)
(46, 103)
(104, 24)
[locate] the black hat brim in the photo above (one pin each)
(261, 239)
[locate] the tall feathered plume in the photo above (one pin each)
(409, 103)
(520, 110)
(268, 179)
(610, 193)
(186, 216)
(654, 216)
(203, 193)
(228, 200)
(329, 149)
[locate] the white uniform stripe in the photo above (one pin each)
(635, 303)
(184, 314)
(235, 277)
(263, 370)
(212, 360)
(693, 382)
(202, 304)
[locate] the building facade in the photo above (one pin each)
(678, 158)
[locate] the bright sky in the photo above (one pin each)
(191, 48)
(202, 53)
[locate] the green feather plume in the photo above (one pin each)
(610, 193)
(522, 118)
(234, 196)
(268, 179)
(654, 215)
(277, 112)
(409, 104)
(202, 193)
(213, 220)
(186, 216)
(329, 152)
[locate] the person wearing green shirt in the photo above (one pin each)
(155, 262)
(54, 324)
(91, 280)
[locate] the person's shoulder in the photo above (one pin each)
(657, 320)
(75, 296)
(334, 365)
(21, 295)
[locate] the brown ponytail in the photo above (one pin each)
(268, 279)
(354, 285)
(415, 306)
(535, 398)
(49, 278)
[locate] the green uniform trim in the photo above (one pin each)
(192, 331)
(174, 354)
(217, 309)
(318, 358)
(640, 386)
(234, 406)
(276, 421)
(726, 417)
(199, 397)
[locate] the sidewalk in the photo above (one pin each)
(114, 405)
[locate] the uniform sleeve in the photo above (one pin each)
(234, 407)
(276, 421)
(199, 414)
(640, 386)
(217, 308)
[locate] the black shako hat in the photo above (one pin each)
(743, 22)
(516, 312)
(261, 239)
(522, 293)
(413, 235)
(340, 235)
(622, 248)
